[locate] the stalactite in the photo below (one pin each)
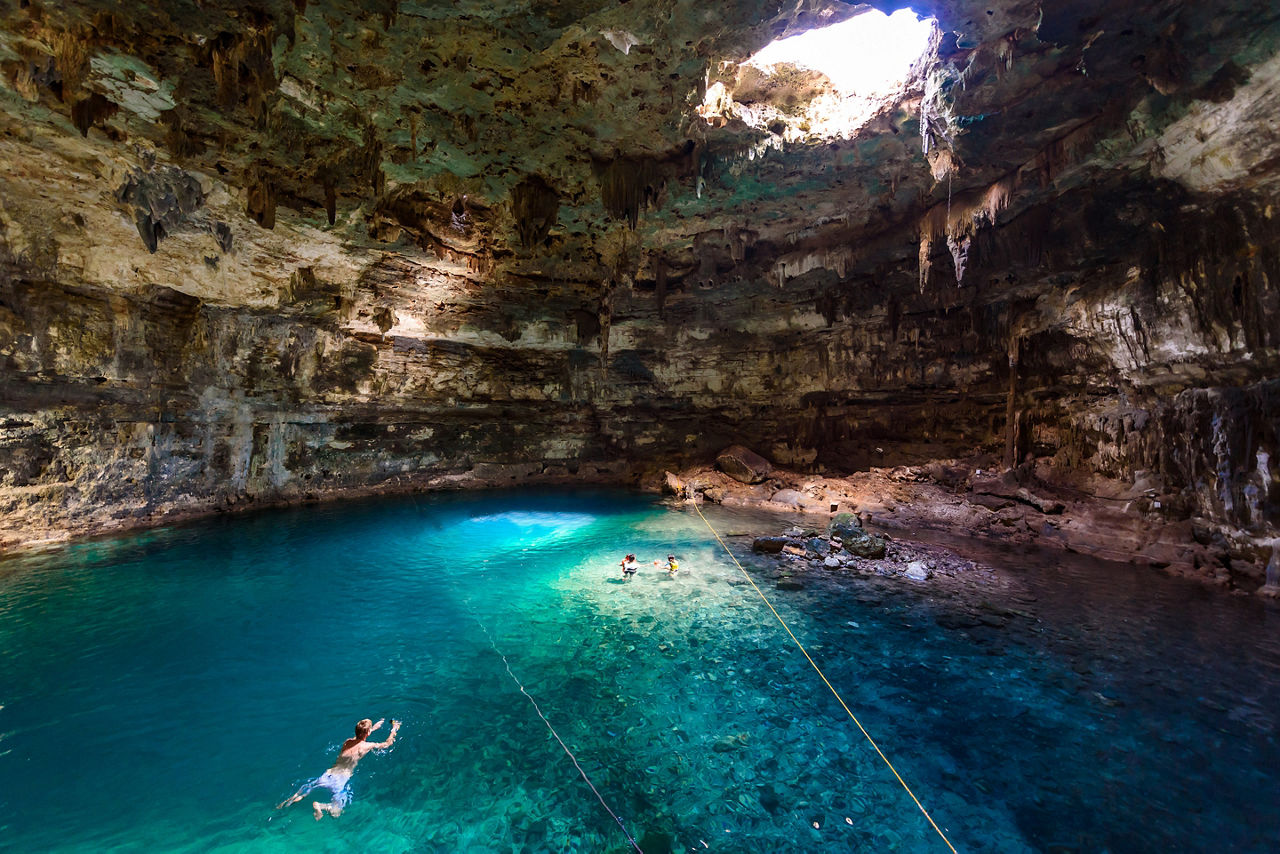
(369, 160)
(660, 284)
(226, 69)
(261, 198)
(177, 139)
(627, 186)
(604, 315)
(330, 201)
(222, 233)
(413, 133)
(459, 219)
(243, 66)
(1012, 437)
(71, 58)
(957, 222)
(535, 205)
(92, 111)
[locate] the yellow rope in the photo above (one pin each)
(826, 681)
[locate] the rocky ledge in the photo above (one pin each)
(1104, 519)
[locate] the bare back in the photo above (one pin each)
(355, 749)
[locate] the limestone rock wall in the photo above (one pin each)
(253, 253)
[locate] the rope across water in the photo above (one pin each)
(554, 734)
(825, 681)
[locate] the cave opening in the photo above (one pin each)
(869, 54)
(826, 82)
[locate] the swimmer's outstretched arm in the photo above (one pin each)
(391, 737)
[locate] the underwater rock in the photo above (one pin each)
(957, 620)
(769, 545)
(789, 584)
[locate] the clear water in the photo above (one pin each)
(163, 691)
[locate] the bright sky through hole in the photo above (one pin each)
(866, 54)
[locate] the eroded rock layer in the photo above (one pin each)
(264, 251)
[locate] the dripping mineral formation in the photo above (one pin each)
(256, 252)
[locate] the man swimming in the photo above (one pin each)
(338, 778)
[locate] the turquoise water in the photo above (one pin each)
(164, 691)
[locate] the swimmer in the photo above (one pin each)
(629, 566)
(338, 778)
(673, 565)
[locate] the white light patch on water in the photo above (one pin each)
(535, 519)
(535, 526)
(868, 54)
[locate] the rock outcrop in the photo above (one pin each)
(269, 252)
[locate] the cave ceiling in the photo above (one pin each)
(561, 140)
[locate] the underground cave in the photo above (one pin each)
(345, 347)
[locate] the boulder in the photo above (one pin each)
(846, 526)
(865, 546)
(768, 545)
(672, 485)
(743, 464)
(713, 494)
(917, 571)
(817, 546)
(789, 496)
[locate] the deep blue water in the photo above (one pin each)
(163, 691)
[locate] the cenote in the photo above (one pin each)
(163, 691)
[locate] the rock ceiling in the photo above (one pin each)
(290, 248)
(516, 135)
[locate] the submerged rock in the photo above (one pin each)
(656, 842)
(769, 545)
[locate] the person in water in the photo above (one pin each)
(629, 566)
(338, 778)
(673, 565)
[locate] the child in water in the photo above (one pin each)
(629, 566)
(673, 566)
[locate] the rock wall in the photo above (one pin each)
(304, 250)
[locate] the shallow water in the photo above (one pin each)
(164, 691)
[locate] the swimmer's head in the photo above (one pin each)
(671, 557)
(363, 728)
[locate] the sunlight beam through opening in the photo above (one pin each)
(868, 54)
